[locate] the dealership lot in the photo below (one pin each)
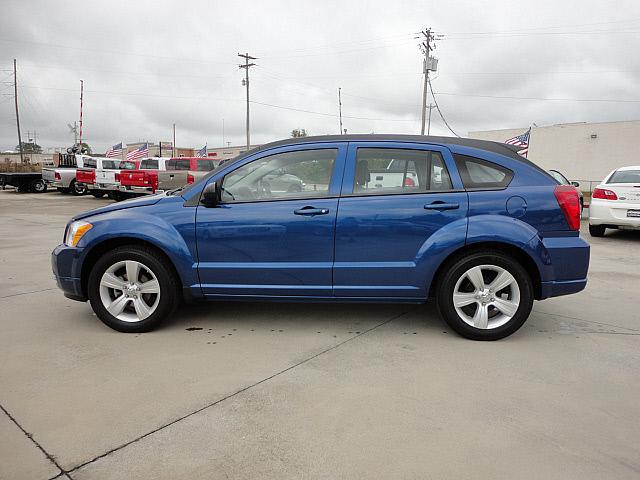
(234, 390)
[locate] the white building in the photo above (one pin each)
(585, 152)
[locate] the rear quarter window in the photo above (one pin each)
(625, 176)
(477, 173)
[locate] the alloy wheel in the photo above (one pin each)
(129, 291)
(486, 296)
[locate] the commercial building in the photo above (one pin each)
(584, 152)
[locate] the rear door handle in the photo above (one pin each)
(442, 206)
(310, 211)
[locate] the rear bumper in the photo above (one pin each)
(614, 213)
(136, 189)
(66, 266)
(104, 187)
(567, 263)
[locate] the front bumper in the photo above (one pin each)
(67, 267)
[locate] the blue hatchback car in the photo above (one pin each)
(373, 218)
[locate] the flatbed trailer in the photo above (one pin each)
(23, 181)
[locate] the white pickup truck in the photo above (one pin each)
(102, 175)
(63, 177)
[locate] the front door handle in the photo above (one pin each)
(310, 211)
(439, 205)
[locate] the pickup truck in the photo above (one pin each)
(102, 175)
(143, 180)
(23, 181)
(63, 177)
(181, 171)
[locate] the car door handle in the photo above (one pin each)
(310, 211)
(442, 206)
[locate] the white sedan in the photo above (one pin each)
(615, 203)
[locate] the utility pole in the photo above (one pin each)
(427, 43)
(340, 107)
(245, 82)
(81, 103)
(15, 96)
(430, 107)
(223, 132)
(173, 148)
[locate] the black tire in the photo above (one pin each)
(295, 188)
(97, 193)
(38, 186)
(457, 269)
(597, 230)
(77, 188)
(169, 288)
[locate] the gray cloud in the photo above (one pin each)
(149, 64)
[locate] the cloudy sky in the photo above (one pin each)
(149, 64)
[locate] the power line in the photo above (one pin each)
(440, 111)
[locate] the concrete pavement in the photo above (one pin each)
(236, 390)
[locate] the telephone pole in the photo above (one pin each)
(15, 96)
(173, 147)
(430, 107)
(427, 44)
(81, 104)
(245, 82)
(340, 107)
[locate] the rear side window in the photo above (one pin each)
(476, 173)
(178, 164)
(382, 171)
(149, 163)
(204, 165)
(109, 165)
(90, 163)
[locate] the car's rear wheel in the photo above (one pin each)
(485, 295)
(38, 186)
(78, 188)
(597, 230)
(132, 289)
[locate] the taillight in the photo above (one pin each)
(408, 182)
(57, 176)
(567, 197)
(190, 178)
(116, 177)
(604, 194)
(154, 181)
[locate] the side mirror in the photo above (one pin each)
(211, 195)
(576, 184)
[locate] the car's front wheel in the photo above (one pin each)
(485, 295)
(132, 289)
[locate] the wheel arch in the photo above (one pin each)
(513, 251)
(104, 246)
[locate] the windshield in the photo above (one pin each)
(625, 176)
(558, 177)
(89, 163)
(205, 165)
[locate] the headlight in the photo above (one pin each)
(75, 231)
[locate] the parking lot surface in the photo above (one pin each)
(256, 390)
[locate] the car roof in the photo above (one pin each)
(632, 167)
(510, 151)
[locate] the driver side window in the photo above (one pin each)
(299, 174)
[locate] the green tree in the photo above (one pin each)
(298, 132)
(29, 147)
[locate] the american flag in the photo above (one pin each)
(202, 152)
(521, 141)
(115, 151)
(142, 151)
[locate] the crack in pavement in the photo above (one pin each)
(244, 389)
(29, 292)
(585, 320)
(40, 447)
